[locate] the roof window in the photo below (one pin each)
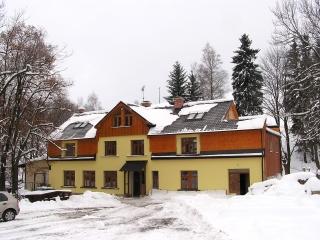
(80, 125)
(198, 116)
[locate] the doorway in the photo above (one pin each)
(136, 184)
(239, 181)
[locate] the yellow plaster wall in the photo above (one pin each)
(102, 163)
(212, 173)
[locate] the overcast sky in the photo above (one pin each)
(119, 46)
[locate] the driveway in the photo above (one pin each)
(143, 218)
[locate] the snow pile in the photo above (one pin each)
(85, 200)
(160, 117)
(92, 118)
(295, 184)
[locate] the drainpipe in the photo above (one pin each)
(262, 158)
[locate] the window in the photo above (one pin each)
(3, 198)
(137, 147)
(110, 148)
(117, 120)
(89, 179)
(155, 179)
(189, 145)
(69, 178)
(189, 180)
(70, 149)
(128, 120)
(199, 116)
(110, 179)
(192, 116)
(80, 125)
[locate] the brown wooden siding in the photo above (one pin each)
(230, 140)
(272, 165)
(139, 125)
(162, 144)
(85, 147)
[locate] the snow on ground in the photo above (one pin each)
(275, 209)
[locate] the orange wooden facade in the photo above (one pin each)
(139, 125)
(162, 143)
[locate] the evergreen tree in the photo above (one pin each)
(177, 84)
(247, 79)
(193, 88)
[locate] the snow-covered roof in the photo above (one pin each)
(160, 115)
(255, 122)
(79, 126)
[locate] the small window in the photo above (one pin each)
(189, 145)
(155, 179)
(69, 178)
(89, 179)
(3, 198)
(70, 149)
(137, 147)
(191, 116)
(189, 180)
(128, 120)
(110, 179)
(110, 148)
(117, 120)
(199, 115)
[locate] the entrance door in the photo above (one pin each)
(239, 181)
(136, 184)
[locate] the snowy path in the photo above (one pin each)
(131, 219)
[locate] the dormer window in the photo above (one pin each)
(117, 120)
(193, 116)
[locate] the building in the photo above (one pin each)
(132, 149)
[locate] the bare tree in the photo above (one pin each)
(210, 74)
(29, 87)
(93, 103)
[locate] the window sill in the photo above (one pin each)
(110, 156)
(114, 188)
(89, 187)
(121, 126)
(68, 186)
(137, 155)
(189, 190)
(188, 154)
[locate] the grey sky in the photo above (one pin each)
(119, 46)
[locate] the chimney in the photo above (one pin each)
(81, 109)
(178, 103)
(146, 103)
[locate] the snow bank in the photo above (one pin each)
(295, 184)
(86, 200)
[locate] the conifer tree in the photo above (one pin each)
(193, 88)
(177, 84)
(247, 79)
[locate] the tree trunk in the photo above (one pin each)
(14, 178)
(316, 156)
(288, 160)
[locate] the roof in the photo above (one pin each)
(79, 126)
(134, 166)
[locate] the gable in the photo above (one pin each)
(106, 127)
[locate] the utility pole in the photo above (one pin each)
(159, 94)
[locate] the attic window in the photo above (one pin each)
(80, 125)
(192, 116)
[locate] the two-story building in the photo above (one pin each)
(133, 149)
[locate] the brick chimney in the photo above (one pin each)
(81, 109)
(146, 103)
(178, 103)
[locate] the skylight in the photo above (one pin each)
(192, 116)
(80, 125)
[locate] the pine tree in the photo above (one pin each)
(177, 84)
(193, 88)
(247, 79)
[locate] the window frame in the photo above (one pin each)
(5, 198)
(116, 120)
(91, 179)
(114, 181)
(66, 149)
(128, 119)
(189, 180)
(137, 149)
(72, 176)
(112, 151)
(186, 145)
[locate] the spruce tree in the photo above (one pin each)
(177, 84)
(193, 88)
(247, 79)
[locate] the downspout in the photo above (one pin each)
(262, 158)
